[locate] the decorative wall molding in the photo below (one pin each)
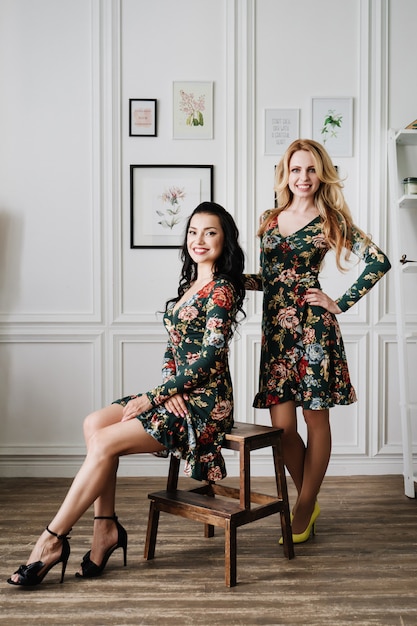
(378, 42)
(389, 440)
(66, 466)
(49, 383)
(242, 147)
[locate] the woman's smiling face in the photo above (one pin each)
(205, 239)
(303, 180)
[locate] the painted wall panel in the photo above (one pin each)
(402, 93)
(46, 159)
(48, 386)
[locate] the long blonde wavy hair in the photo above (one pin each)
(329, 199)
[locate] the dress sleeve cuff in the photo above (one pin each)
(343, 304)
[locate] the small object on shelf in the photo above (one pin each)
(410, 185)
(412, 126)
(404, 260)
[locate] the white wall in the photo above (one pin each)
(78, 307)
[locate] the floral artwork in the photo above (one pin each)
(173, 199)
(332, 122)
(170, 217)
(333, 125)
(193, 110)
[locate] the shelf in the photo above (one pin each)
(404, 142)
(406, 137)
(408, 202)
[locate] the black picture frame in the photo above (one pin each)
(142, 117)
(161, 199)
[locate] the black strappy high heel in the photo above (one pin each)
(89, 568)
(29, 575)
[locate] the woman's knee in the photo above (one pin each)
(97, 420)
(317, 419)
(284, 416)
(100, 445)
(94, 422)
(91, 425)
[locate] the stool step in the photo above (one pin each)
(192, 500)
(254, 436)
(212, 510)
(233, 492)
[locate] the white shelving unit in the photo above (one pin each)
(405, 275)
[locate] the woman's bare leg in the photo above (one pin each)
(293, 448)
(316, 461)
(93, 423)
(105, 447)
(105, 531)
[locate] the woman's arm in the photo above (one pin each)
(212, 356)
(253, 282)
(168, 366)
(377, 265)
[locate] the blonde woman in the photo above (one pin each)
(303, 360)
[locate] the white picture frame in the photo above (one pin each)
(332, 125)
(192, 110)
(282, 127)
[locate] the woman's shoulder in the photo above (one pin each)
(224, 295)
(267, 214)
(268, 219)
(220, 285)
(222, 282)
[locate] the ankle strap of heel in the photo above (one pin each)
(113, 517)
(51, 532)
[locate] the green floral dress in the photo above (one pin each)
(302, 355)
(196, 363)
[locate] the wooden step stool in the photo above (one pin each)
(200, 504)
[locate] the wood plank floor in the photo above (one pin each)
(361, 568)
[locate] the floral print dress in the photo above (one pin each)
(302, 356)
(196, 363)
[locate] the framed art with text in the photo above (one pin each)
(281, 129)
(142, 118)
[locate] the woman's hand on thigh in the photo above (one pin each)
(135, 407)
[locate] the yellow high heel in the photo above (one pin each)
(305, 536)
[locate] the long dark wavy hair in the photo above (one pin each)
(230, 263)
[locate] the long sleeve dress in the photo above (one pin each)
(196, 363)
(302, 355)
